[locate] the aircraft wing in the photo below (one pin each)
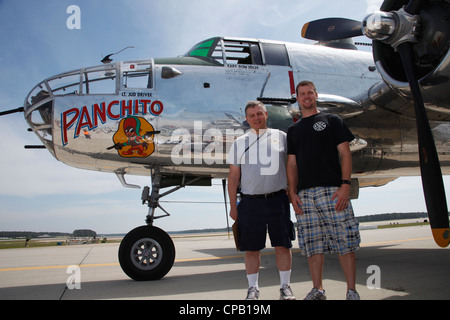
(396, 97)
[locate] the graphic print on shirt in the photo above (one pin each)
(319, 126)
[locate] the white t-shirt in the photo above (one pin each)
(262, 160)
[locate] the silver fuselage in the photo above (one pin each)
(195, 108)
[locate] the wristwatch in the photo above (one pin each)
(347, 182)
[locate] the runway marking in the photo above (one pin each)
(59, 267)
(197, 259)
(393, 241)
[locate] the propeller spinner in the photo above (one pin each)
(400, 29)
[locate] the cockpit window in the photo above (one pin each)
(67, 84)
(275, 54)
(227, 51)
(203, 49)
(230, 51)
(99, 81)
(137, 75)
(206, 50)
(242, 52)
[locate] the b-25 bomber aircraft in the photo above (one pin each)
(175, 119)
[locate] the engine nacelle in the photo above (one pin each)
(432, 57)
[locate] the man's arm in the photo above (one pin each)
(233, 182)
(292, 176)
(343, 193)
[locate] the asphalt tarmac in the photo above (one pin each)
(392, 264)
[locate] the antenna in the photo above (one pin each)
(107, 59)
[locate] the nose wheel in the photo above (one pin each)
(146, 253)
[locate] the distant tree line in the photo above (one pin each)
(91, 233)
(31, 234)
(84, 233)
(392, 216)
(370, 218)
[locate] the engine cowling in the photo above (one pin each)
(432, 57)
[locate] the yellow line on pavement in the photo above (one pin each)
(58, 267)
(392, 241)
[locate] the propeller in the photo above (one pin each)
(398, 29)
(331, 29)
(432, 183)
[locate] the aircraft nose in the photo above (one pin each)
(38, 112)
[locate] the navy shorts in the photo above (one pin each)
(256, 216)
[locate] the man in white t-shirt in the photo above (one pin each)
(258, 164)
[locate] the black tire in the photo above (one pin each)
(146, 253)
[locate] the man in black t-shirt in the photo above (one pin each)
(313, 142)
(319, 170)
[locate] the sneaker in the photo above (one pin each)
(252, 294)
(286, 293)
(315, 294)
(352, 295)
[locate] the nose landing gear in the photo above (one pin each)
(147, 252)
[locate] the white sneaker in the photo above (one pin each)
(252, 294)
(315, 294)
(286, 293)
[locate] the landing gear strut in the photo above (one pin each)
(147, 252)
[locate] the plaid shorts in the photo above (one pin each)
(321, 229)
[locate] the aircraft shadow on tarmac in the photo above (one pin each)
(420, 274)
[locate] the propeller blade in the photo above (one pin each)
(433, 185)
(413, 7)
(331, 29)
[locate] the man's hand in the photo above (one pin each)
(233, 213)
(343, 196)
(294, 198)
(233, 182)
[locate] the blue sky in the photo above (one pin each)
(38, 193)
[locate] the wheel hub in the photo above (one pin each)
(146, 254)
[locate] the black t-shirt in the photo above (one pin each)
(314, 140)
